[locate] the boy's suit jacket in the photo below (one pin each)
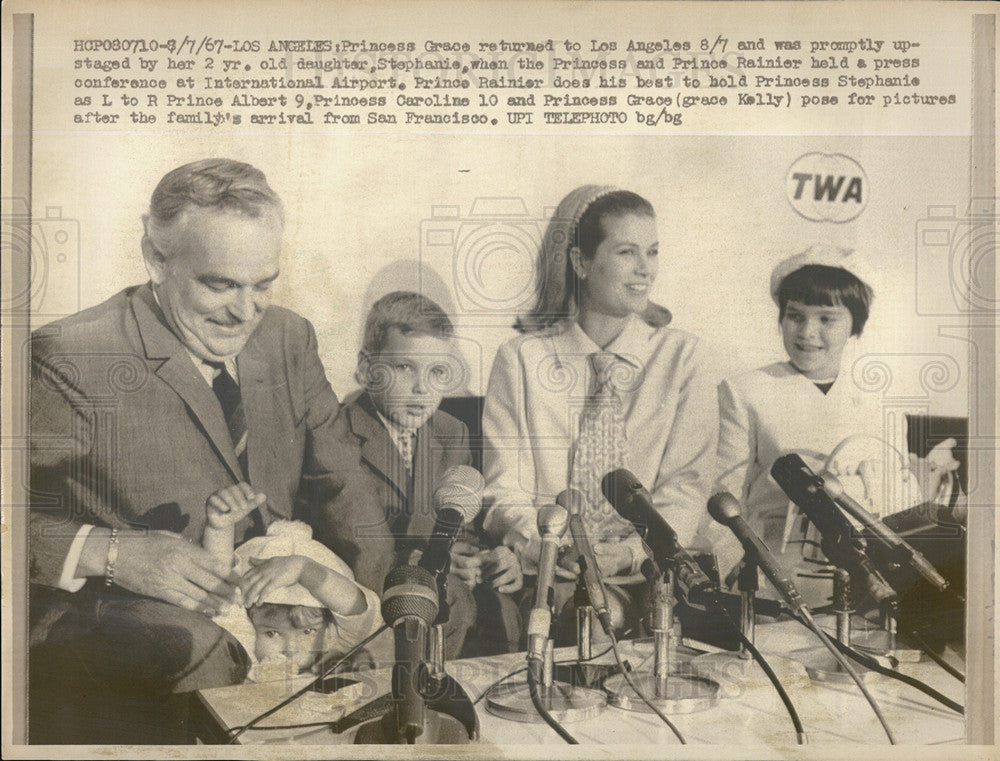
(441, 442)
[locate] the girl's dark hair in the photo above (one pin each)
(820, 285)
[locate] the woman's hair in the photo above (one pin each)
(300, 616)
(820, 285)
(578, 223)
(590, 229)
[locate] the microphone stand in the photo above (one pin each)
(820, 664)
(667, 688)
(564, 693)
(449, 715)
(724, 666)
(435, 645)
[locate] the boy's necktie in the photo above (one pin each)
(407, 444)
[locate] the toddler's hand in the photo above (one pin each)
(230, 505)
(269, 574)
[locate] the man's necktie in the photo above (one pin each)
(227, 391)
(601, 447)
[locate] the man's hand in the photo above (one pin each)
(271, 573)
(466, 563)
(228, 506)
(502, 570)
(163, 565)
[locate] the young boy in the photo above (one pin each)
(302, 602)
(406, 364)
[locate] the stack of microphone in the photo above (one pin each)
(427, 706)
(413, 597)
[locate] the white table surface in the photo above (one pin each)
(748, 711)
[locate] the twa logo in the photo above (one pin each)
(827, 187)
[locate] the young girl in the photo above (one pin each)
(301, 606)
(597, 374)
(810, 405)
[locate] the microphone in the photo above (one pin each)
(633, 502)
(725, 509)
(892, 540)
(409, 606)
(457, 500)
(573, 501)
(552, 520)
(840, 544)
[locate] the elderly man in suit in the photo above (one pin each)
(143, 406)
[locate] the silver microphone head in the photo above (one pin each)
(573, 500)
(552, 520)
(461, 488)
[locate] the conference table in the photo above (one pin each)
(745, 711)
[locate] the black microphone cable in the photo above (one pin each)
(800, 732)
(873, 665)
(635, 688)
(536, 698)
(807, 619)
(547, 717)
(926, 650)
(294, 696)
(517, 671)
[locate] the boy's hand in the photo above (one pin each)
(466, 563)
(269, 574)
(230, 505)
(502, 570)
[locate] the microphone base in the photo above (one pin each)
(880, 644)
(567, 703)
(439, 729)
(735, 674)
(821, 666)
(682, 693)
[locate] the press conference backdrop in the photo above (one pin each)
(459, 218)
